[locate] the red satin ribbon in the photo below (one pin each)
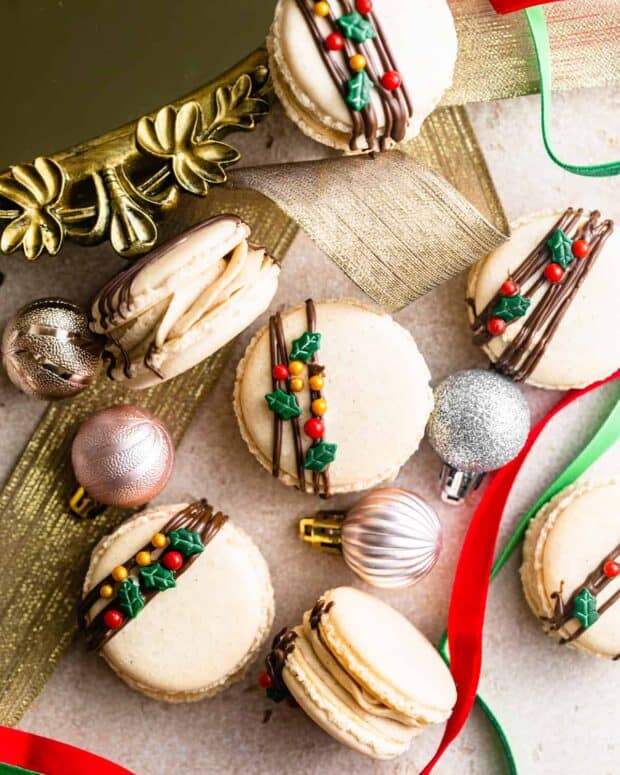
(49, 757)
(472, 578)
(510, 6)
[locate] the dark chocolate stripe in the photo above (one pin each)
(198, 517)
(523, 354)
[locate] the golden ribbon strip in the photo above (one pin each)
(45, 549)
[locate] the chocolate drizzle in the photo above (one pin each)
(283, 645)
(397, 105)
(595, 582)
(278, 350)
(320, 609)
(522, 355)
(197, 517)
(115, 311)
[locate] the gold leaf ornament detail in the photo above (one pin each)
(35, 188)
(197, 161)
(236, 107)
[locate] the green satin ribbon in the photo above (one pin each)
(605, 437)
(538, 29)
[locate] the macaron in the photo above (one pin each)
(178, 601)
(361, 76)
(571, 567)
(543, 305)
(179, 304)
(362, 672)
(332, 396)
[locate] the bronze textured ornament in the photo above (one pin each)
(117, 186)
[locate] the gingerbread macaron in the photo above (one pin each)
(178, 601)
(361, 76)
(332, 396)
(543, 306)
(571, 567)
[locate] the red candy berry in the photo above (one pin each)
(334, 41)
(509, 288)
(113, 619)
(390, 80)
(280, 372)
(581, 248)
(364, 6)
(172, 560)
(496, 326)
(554, 273)
(264, 680)
(314, 428)
(611, 569)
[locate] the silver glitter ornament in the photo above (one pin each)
(391, 538)
(479, 423)
(48, 350)
(122, 456)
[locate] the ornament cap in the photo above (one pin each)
(455, 484)
(83, 506)
(323, 531)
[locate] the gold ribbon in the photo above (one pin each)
(45, 549)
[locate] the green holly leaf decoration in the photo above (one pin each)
(283, 404)
(186, 541)
(157, 577)
(510, 308)
(359, 90)
(355, 27)
(304, 348)
(320, 456)
(129, 598)
(585, 609)
(561, 248)
(275, 695)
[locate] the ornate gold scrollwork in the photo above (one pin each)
(118, 185)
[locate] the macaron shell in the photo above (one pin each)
(193, 640)
(387, 655)
(420, 34)
(565, 543)
(376, 388)
(581, 351)
(329, 705)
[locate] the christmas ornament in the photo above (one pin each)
(48, 350)
(480, 422)
(122, 456)
(391, 538)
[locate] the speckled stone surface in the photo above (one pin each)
(559, 708)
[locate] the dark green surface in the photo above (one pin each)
(73, 69)
(10, 769)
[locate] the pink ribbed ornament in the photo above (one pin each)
(123, 456)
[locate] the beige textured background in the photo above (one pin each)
(560, 709)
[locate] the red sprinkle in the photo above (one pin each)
(264, 680)
(334, 41)
(172, 560)
(364, 6)
(581, 248)
(280, 372)
(314, 428)
(554, 273)
(496, 326)
(611, 569)
(509, 288)
(113, 619)
(391, 80)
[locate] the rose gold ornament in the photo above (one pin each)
(48, 350)
(122, 456)
(391, 538)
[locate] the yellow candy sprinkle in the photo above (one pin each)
(106, 591)
(120, 573)
(321, 8)
(296, 368)
(159, 540)
(319, 406)
(317, 382)
(143, 559)
(357, 62)
(297, 384)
